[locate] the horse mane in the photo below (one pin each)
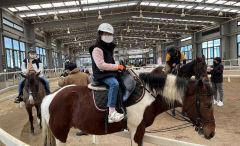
(172, 88)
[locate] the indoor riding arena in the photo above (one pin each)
(49, 41)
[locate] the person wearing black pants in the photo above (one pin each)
(216, 72)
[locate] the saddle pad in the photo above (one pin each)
(97, 88)
(100, 97)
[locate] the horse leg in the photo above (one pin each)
(29, 110)
(39, 117)
(59, 143)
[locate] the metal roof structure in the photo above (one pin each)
(137, 23)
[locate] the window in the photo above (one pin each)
(211, 49)
(15, 52)
(55, 59)
(11, 24)
(63, 60)
(187, 51)
(238, 45)
(41, 52)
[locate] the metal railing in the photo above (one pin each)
(12, 78)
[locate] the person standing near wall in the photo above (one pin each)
(216, 72)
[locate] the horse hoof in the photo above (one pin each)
(32, 134)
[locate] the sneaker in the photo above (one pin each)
(215, 101)
(115, 117)
(18, 99)
(220, 103)
(81, 133)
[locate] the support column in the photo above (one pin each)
(225, 43)
(2, 50)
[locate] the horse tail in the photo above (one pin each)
(48, 137)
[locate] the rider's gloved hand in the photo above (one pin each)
(120, 67)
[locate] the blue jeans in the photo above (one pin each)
(43, 78)
(113, 90)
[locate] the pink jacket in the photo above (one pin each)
(99, 60)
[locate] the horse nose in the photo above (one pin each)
(211, 135)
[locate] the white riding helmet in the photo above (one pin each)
(106, 27)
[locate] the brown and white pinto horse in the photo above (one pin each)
(197, 68)
(72, 106)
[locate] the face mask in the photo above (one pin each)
(32, 56)
(107, 38)
(214, 62)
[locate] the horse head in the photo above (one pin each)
(31, 86)
(199, 108)
(200, 68)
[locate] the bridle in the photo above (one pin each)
(198, 123)
(198, 75)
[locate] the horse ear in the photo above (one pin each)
(37, 74)
(24, 76)
(203, 56)
(200, 83)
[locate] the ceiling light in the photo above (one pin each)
(13, 9)
(23, 8)
(55, 17)
(128, 30)
(186, 28)
(140, 15)
(68, 30)
(158, 29)
(34, 7)
(220, 13)
(117, 42)
(99, 15)
(183, 14)
(75, 39)
(145, 44)
(136, 42)
(130, 45)
(80, 44)
(46, 5)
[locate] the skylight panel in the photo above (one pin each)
(198, 1)
(230, 3)
(216, 9)
(41, 13)
(92, 8)
(73, 10)
(199, 8)
(33, 7)
(189, 7)
(145, 3)
(208, 8)
(13, 9)
(153, 4)
(103, 7)
(220, 2)
(162, 5)
(113, 6)
(172, 6)
(92, 1)
(122, 5)
(31, 15)
(85, 9)
(233, 10)
(211, 1)
(84, 2)
(22, 15)
(181, 6)
(46, 5)
(70, 3)
(62, 11)
(189, 0)
(237, 4)
(61, 4)
(132, 3)
(23, 8)
(225, 10)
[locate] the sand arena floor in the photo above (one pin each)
(14, 120)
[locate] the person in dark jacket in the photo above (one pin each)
(216, 72)
(105, 69)
(173, 58)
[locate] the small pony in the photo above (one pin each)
(33, 94)
(72, 106)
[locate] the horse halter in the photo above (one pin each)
(198, 123)
(198, 76)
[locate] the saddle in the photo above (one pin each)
(131, 91)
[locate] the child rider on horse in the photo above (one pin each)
(105, 69)
(32, 64)
(173, 58)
